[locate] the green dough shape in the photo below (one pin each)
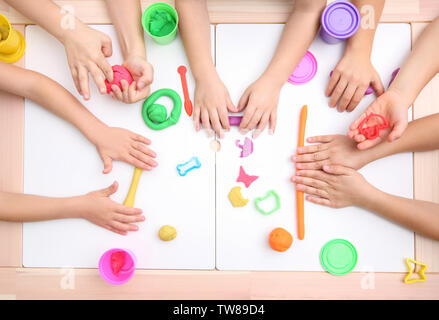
(161, 23)
(269, 194)
(338, 257)
(154, 114)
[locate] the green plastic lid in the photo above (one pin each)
(338, 257)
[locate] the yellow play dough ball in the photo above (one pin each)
(167, 233)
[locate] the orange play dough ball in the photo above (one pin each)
(280, 239)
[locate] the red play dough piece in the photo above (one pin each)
(117, 260)
(245, 178)
(119, 73)
(372, 132)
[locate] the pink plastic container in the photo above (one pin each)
(125, 273)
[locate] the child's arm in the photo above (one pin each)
(261, 98)
(421, 66)
(421, 135)
(86, 48)
(212, 100)
(96, 207)
(111, 143)
(339, 187)
(126, 16)
(355, 72)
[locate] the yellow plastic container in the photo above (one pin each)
(12, 44)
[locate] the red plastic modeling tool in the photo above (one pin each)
(372, 132)
(187, 101)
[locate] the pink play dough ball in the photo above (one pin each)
(119, 73)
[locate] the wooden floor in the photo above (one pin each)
(17, 282)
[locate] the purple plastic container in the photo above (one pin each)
(340, 20)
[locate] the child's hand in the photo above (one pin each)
(121, 144)
(392, 107)
(211, 104)
(350, 80)
(143, 74)
(335, 186)
(98, 208)
(260, 101)
(332, 150)
(87, 50)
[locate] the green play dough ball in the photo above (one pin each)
(157, 113)
(161, 23)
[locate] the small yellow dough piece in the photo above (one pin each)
(167, 233)
(236, 197)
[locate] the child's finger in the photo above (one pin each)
(254, 120)
(337, 170)
(97, 78)
(273, 122)
(310, 157)
(398, 129)
(144, 149)
(377, 85)
(83, 82)
(359, 138)
(108, 191)
(366, 144)
(310, 190)
(310, 182)
(315, 174)
(333, 80)
(137, 163)
(262, 125)
(356, 123)
(358, 95)
(317, 200)
(230, 105)
(103, 64)
(142, 139)
(132, 92)
(215, 122)
(74, 71)
(248, 115)
(321, 139)
(128, 219)
(143, 157)
(205, 122)
(117, 92)
(197, 112)
(316, 165)
(108, 164)
(338, 91)
(128, 210)
(125, 86)
(312, 148)
(243, 102)
(346, 97)
(224, 118)
(123, 226)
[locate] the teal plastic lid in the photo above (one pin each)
(338, 257)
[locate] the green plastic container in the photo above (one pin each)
(146, 21)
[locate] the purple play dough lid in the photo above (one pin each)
(341, 19)
(305, 70)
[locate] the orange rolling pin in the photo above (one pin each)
(299, 194)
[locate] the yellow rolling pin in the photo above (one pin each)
(131, 196)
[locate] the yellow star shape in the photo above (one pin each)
(410, 263)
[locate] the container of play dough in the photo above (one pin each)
(160, 21)
(12, 43)
(126, 271)
(305, 70)
(340, 20)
